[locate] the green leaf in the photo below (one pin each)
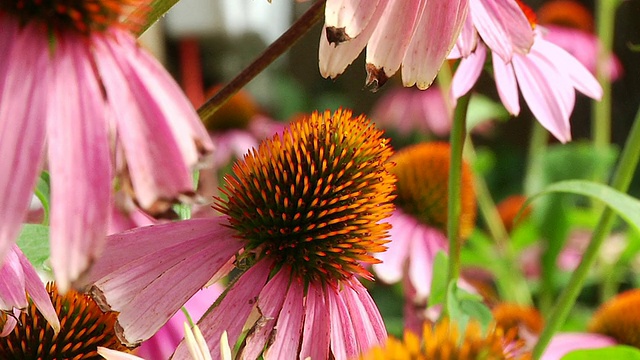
(464, 306)
(34, 243)
(483, 109)
(43, 193)
(439, 279)
(611, 352)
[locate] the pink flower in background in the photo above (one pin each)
(82, 95)
(416, 35)
(409, 110)
(303, 217)
(17, 277)
(564, 343)
(547, 76)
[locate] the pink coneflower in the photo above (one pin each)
(564, 343)
(302, 217)
(77, 92)
(416, 35)
(547, 77)
(420, 220)
(17, 278)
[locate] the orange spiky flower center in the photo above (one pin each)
(315, 197)
(510, 208)
(518, 317)
(83, 16)
(422, 188)
(619, 318)
(236, 113)
(444, 341)
(568, 13)
(83, 327)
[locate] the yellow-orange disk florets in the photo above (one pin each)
(236, 113)
(619, 318)
(518, 317)
(422, 188)
(83, 327)
(83, 16)
(443, 341)
(314, 198)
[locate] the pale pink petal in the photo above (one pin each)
(561, 344)
(316, 335)
(391, 269)
(231, 313)
(547, 92)
(287, 339)
(334, 59)
(174, 259)
(10, 323)
(37, 292)
(468, 72)
(468, 39)
(389, 41)
(426, 52)
(22, 128)
(507, 85)
(12, 283)
(351, 16)
(581, 77)
(503, 26)
(79, 163)
(343, 337)
(270, 302)
(111, 354)
(421, 262)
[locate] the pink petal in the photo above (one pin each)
(79, 162)
(287, 340)
(390, 40)
(561, 344)
(468, 39)
(10, 323)
(110, 354)
(421, 263)
(138, 265)
(468, 72)
(366, 317)
(350, 15)
(316, 335)
(12, 282)
(231, 313)
(506, 85)
(23, 80)
(270, 303)
(344, 343)
(427, 52)
(391, 269)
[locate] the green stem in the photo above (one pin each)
(620, 181)
(282, 44)
(513, 286)
(454, 206)
(601, 115)
(149, 11)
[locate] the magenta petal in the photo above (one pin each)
(37, 292)
(10, 323)
(270, 303)
(365, 317)
(344, 344)
(12, 282)
(231, 313)
(426, 53)
(350, 15)
(174, 259)
(287, 340)
(79, 162)
(23, 69)
(316, 335)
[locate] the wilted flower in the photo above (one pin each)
(74, 85)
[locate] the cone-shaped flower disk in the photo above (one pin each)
(619, 318)
(79, 94)
(420, 220)
(83, 327)
(304, 213)
(444, 341)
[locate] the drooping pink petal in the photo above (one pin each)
(231, 313)
(390, 39)
(22, 68)
(561, 344)
(426, 52)
(12, 283)
(366, 317)
(10, 323)
(468, 72)
(316, 334)
(391, 269)
(343, 337)
(79, 163)
(289, 325)
(507, 85)
(174, 259)
(468, 39)
(352, 16)
(503, 26)
(270, 302)
(549, 94)
(421, 262)
(110, 354)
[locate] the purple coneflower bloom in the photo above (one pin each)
(547, 77)
(302, 217)
(416, 35)
(79, 94)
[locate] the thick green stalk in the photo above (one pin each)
(620, 181)
(282, 44)
(601, 115)
(454, 206)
